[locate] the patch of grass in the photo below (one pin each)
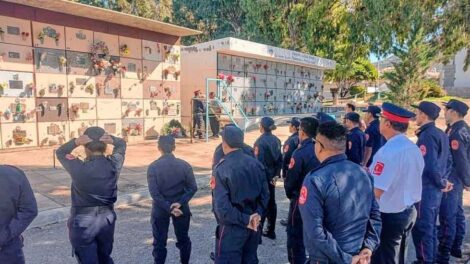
(443, 99)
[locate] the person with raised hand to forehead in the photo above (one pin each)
(94, 192)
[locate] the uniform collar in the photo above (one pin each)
(375, 121)
(167, 155)
(396, 137)
(235, 152)
(424, 127)
(333, 159)
(306, 142)
(94, 157)
(458, 124)
(295, 134)
(354, 129)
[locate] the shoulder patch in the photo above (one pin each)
(367, 136)
(70, 157)
(423, 149)
(454, 144)
(256, 150)
(378, 169)
(286, 148)
(303, 195)
(291, 163)
(212, 182)
(349, 145)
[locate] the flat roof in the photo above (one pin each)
(234, 46)
(78, 9)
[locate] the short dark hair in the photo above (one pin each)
(353, 107)
(167, 148)
(400, 127)
(335, 133)
(309, 126)
(96, 146)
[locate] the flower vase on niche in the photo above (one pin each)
(62, 63)
(2, 33)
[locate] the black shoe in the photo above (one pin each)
(283, 222)
(456, 253)
(212, 256)
(269, 234)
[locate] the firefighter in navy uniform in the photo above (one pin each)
(240, 199)
(290, 144)
(355, 139)
(171, 184)
(451, 214)
(268, 151)
(434, 146)
(18, 209)
(199, 110)
(374, 140)
(302, 162)
(94, 192)
(323, 117)
(341, 221)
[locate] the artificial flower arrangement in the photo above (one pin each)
(24, 35)
(125, 50)
(3, 86)
(62, 62)
(174, 128)
(176, 74)
(2, 32)
(229, 79)
(98, 59)
(48, 32)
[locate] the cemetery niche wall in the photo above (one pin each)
(263, 80)
(65, 67)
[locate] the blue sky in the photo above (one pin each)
(373, 57)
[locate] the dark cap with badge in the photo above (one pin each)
(457, 106)
(295, 121)
(166, 143)
(430, 109)
(374, 110)
(233, 136)
(323, 118)
(94, 133)
(353, 116)
(267, 123)
(396, 113)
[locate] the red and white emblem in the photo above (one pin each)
(291, 163)
(423, 149)
(303, 195)
(212, 182)
(256, 151)
(349, 144)
(70, 157)
(286, 148)
(367, 137)
(454, 144)
(379, 168)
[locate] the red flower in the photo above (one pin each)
(221, 76)
(230, 79)
(266, 67)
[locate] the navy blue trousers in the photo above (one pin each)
(452, 223)
(425, 230)
(295, 238)
(396, 228)
(271, 211)
(91, 234)
(160, 220)
(236, 245)
(12, 252)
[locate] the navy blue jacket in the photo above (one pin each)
(198, 106)
(339, 211)
(219, 153)
(268, 151)
(290, 145)
(302, 162)
(94, 181)
(170, 180)
(17, 204)
(374, 139)
(459, 137)
(355, 145)
(434, 145)
(240, 189)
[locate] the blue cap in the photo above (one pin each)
(353, 116)
(374, 110)
(267, 123)
(233, 136)
(295, 121)
(166, 143)
(457, 106)
(323, 118)
(396, 113)
(94, 133)
(430, 109)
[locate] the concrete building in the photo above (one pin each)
(454, 79)
(265, 80)
(65, 66)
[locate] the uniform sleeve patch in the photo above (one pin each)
(70, 157)
(212, 182)
(367, 137)
(423, 149)
(286, 148)
(256, 150)
(291, 163)
(303, 195)
(349, 145)
(379, 168)
(454, 144)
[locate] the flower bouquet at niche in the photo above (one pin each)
(174, 128)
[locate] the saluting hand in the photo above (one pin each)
(106, 138)
(82, 140)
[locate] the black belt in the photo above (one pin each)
(91, 209)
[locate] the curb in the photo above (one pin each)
(57, 215)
